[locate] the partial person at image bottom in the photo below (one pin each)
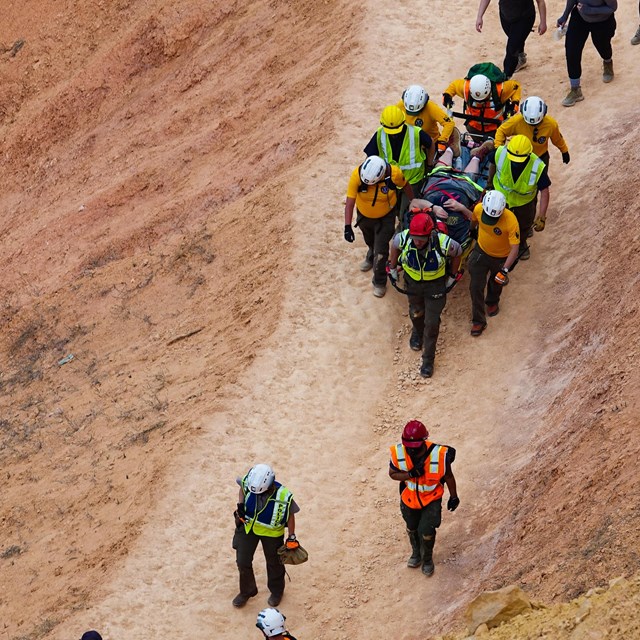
(271, 623)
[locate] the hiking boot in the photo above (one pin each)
(477, 328)
(426, 370)
(366, 265)
(530, 233)
(427, 554)
(522, 61)
(526, 255)
(379, 290)
(493, 310)
(454, 143)
(428, 567)
(415, 560)
(607, 71)
(240, 600)
(636, 38)
(274, 599)
(575, 95)
(483, 150)
(415, 341)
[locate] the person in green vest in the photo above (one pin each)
(520, 175)
(403, 145)
(264, 509)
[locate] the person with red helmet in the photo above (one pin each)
(422, 468)
(422, 251)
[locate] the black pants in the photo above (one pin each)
(482, 270)
(517, 32)
(245, 545)
(377, 234)
(425, 312)
(526, 214)
(577, 33)
(425, 521)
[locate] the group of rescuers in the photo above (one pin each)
(266, 508)
(409, 175)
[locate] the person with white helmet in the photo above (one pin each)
(534, 123)
(517, 18)
(372, 193)
(483, 99)
(265, 508)
(271, 623)
(493, 256)
(426, 114)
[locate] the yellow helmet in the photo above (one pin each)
(392, 119)
(519, 148)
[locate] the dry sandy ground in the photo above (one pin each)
(171, 210)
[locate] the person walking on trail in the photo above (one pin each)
(520, 175)
(534, 123)
(517, 18)
(91, 635)
(402, 145)
(422, 468)
(422, 112)
(271, 623)
(636, 37)
(484, 100)
(422, 251)
(587, 17)
(494, 254)
(372, 193)
(264, 509)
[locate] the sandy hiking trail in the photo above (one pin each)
(331, 388)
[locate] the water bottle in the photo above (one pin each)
(457, 163)
(560, 32)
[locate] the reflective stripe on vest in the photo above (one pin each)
(419, 492)
(431, 267)
(489, 111)
(412, 156)
(524, 189)
(271, 519)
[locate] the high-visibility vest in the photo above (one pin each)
(432, 266)
(525, 188)
(412, 156)
(485, 109)
(419, 492)
(271, 519)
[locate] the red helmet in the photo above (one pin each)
(414, 434)
(421, 225)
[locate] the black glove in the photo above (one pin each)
(452, 503)
(566, 158)
(239, 514)
(447, 100)
(349, 236)
(416, 472)
(473, 233)
(509, 108)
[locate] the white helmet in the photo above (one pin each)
(480, 87)
(415, 97)
(270, 622)
(260, 478)
(493, 203)
(372, 170)
(533, 110)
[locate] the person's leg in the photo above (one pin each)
(245, 545)
(511, 53)
(518, 32)
(526, 215)
(430, 519)
(416, 315)
(275, 569)
(636, 37)
(577, 34)
(384, 230)
(494, 290)
(478, 270)
(412, 520)
(432, 313)
(601, 35)
(545, 158)
(367, 228)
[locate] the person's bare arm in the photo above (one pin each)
(511, 258)
(450, 481)
(481, 9)
(544, 203)
(348, 210)
(400, 476)
(291, 524)
(542, 10)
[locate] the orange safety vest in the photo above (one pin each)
(488, 109)
(419, 492)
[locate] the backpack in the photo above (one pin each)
(493, 73)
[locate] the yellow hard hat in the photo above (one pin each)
(519, 148)
(392, 119)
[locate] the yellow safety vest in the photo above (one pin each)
(525, 188)
(432, 266)
(412, 156)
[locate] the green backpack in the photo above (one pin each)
(494, 74)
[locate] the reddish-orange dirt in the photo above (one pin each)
(178, 304)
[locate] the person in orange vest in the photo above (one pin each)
(422, 468)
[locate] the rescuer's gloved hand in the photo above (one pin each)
(452, 503)
(349, 236)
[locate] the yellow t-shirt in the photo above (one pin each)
(378, 199)
(498, 239)
(428, 120)
(547, 130)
